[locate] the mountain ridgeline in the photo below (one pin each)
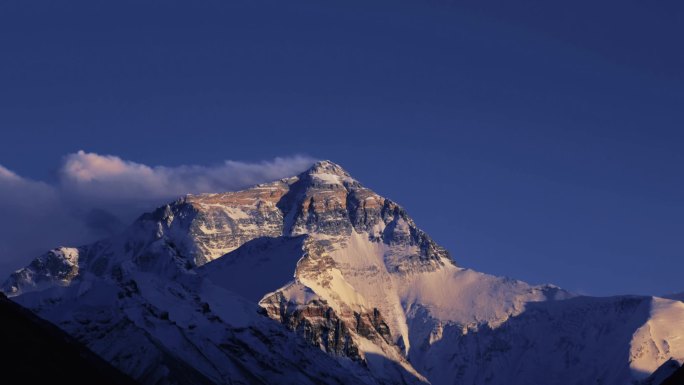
(316, 279)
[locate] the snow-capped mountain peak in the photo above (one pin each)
(318, 274)
(326, 168)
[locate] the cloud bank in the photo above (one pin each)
(96, 195)
(107, 177)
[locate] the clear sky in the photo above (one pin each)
(540, 140)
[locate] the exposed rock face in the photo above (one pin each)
(56, 266)
(320, 325)
(208, 226)
(325, 319)
(317, 323)
(316, 278)
(325, 200)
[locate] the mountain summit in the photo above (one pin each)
(326, 167)
(318, 279)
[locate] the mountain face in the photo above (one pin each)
(317, 279)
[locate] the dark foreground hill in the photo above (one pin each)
(37, 352)
(677, 378)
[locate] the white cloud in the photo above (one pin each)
(96, 193)
(33, 220)
(7, 175)
(110, 177)
(19, 194)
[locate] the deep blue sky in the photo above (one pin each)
(540, 140)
